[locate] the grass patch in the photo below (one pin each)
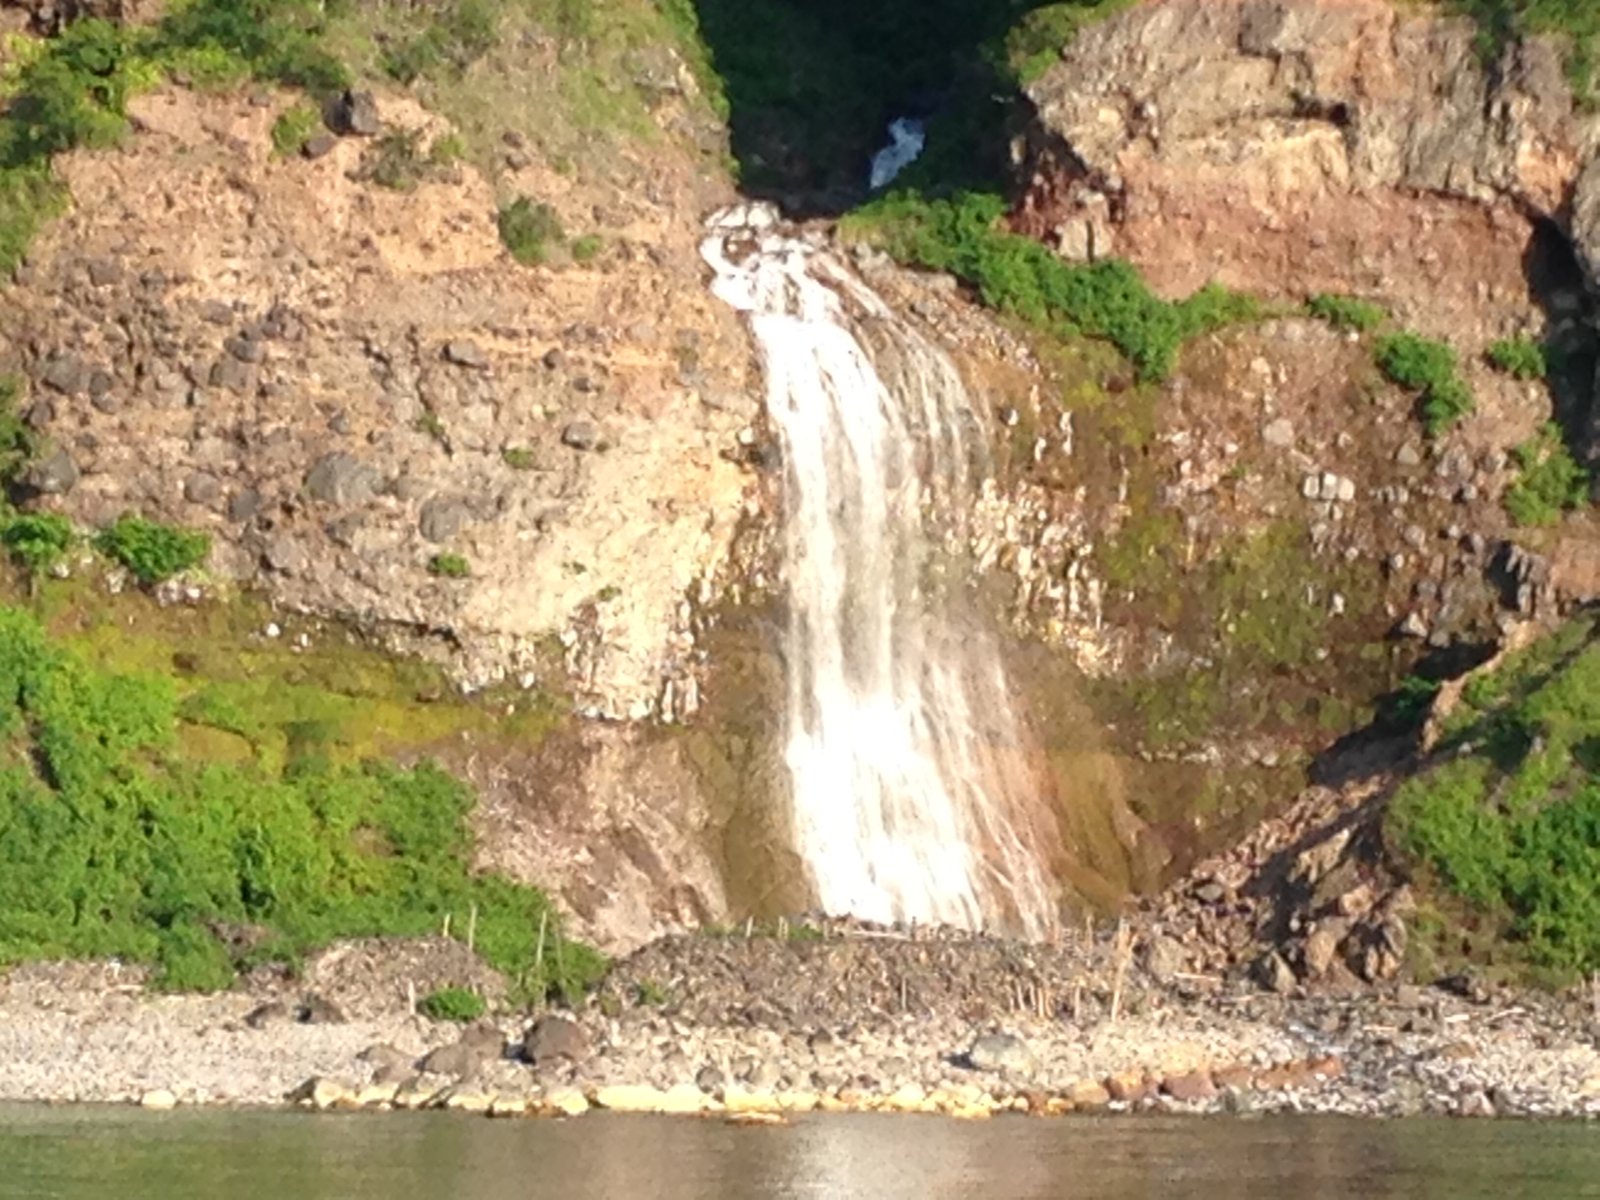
(1507, 819)
(115, 841)
(587, 248)
(1034, 43)
(456, 36)
(530, 230)
(294, 128)
(449, 566)
(1017, 275)
(1550, 480)
(518, 458)
(152, 551)
(452, 1004)
(1347, 312)
(397, 159)
(1519, 357)
(1430, 369)
(35, 540)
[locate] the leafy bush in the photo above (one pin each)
(452, 1004)
(1519, 357)
(1550, 480)
(1428, 368)
(152, 551)
(529, 230)
(1034, 44)
(449, 566)
(1016, 274)
(112, 842)
(1508, 819)
(294, 128)
(587, 248)
(1347, 312)
(17, 442)
(1502, 21)
(36, 540)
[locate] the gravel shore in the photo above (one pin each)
(768, 1025)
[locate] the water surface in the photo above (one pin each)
(83, 1153)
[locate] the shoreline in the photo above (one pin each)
(90, 1034)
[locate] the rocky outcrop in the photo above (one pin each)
(339, 381)
(1288, 147)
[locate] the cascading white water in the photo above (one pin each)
(907, 136)
(911, 791)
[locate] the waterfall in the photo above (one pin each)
(912, 793)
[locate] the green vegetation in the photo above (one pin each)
(455, 37)
(1034, 43)
(152, 551)
(119, 837)
(1506, 821)
(529, 230)
(449, 566)
(1501, 22)
(518, 458)
(1017, 275)
(17, 441)
(1347, 312)
(35, 540)
(587, 248)
(1519, 357)
(1428, 368)
(452, 1004)
(397, 160)
(72, 90)
(1551, 481)
(293, 129)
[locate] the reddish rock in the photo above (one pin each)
(1195, 1085)
(1130, 1087)
(1233, 1079)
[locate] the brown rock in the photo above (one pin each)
(1233, 1079)
(1195, 1085)
(1130, 1087)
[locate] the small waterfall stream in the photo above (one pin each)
(912, 796)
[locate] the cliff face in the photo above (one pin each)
(1203, 582)
(1289, 147)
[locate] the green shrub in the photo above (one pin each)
(1550, 481)
(452, 1004)
(1508, 817)
(17, 441)
(529, 230)
(36, 540)
(113, 842)
(395, 161)
(1035, 43)
(1016, 274)
(449, 566)
(294, 128)
(1428, 368)
(152, 551)
(518, 458)
(587, 248)
(1347, 312)
(1519, 357)
(1500, 22)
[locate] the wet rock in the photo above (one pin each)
(341, 479)
(1001, 1052)
(354, 114)
(709, 1079)
(465, 353)
(54, 474)
(442, 518)
(555, 1038)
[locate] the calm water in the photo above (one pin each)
(127, 1154)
